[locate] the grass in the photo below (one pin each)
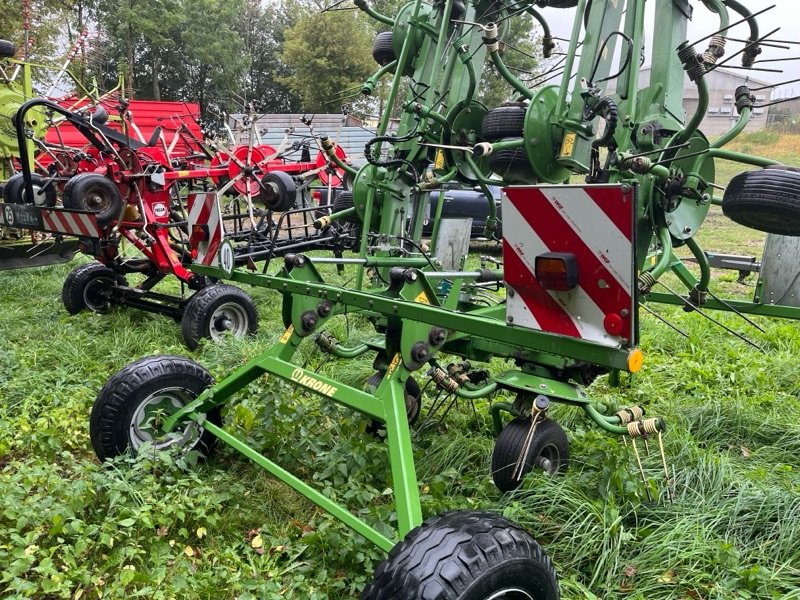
(70, 528)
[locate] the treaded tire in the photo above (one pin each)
(94, 193)
(86, 286)
(278, 191)
(343, 201)
(413, 394)
(7, 49)
(113, 427)
(767, 200)
(465, 555)
(2, 189)
(506, 121)
(383, 48)
(549, 442)
(14, 191)
(207, 310)
(512, 165)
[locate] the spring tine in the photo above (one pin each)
(663, 320)
(518, 467)
(641, 469)
(646, 445)
(710, 318)
(666, 471)
(733, 309)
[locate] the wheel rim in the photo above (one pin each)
(511, 594)
(149, 414)
(96, 201)
(229, 318)
(97, 294)
(549, 459)
(39, 196)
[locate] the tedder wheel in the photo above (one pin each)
(43, 194)
(95, 193)
(512, 165)
(549, 450)
(413, 401)
(506, 121)
(128, 409)
(343, 201)
(465, 555)
(383, 48)
(216, 310)
(767, 200)
(91, 286)
(7, 49)
(278, 191)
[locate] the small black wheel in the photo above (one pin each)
(549, 451)
(7, 49)
(127, 411)
(91, 286)
(767, 200)
(512, 165)
(343, 201)
(217, 310)
(465, 555)
(2, 189)
(506, 121)
(278, 191)
(95, 193)
(383, 48)
(44, 191)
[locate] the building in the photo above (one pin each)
(721, 113)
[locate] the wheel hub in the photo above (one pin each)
(228, 318)
(147, 419)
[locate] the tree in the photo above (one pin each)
(329, 53)
(261, 28)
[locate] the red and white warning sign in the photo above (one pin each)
(205, 227)
(69, 222)
(568, 254)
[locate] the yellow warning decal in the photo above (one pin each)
(568, 145)
(287, 334)
(439, 162)
(422, 298)
(183, 173)
(393, 365)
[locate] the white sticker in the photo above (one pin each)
(9, 216)
(160, 210)
(226, 257)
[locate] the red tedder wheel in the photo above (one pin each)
(328, 177)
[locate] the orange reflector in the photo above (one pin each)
(557, 271)
(200, 233)
(635, 360)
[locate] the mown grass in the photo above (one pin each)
(725, 525)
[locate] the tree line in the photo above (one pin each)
(280, 55)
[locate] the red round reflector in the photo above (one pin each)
(613, 324)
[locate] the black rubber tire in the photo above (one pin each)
(506, 121)
(14, 192)
(117, 404)
(95, 193)
(278, 191)
(413, 395)
(767, 200)
(2, 189)
(87, 287)
(205, 309)
(465, 555)
(512, 165)
(7, 49)
(549, 442)
(100, 115)
(343, 201)
(383, 48)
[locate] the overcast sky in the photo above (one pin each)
(784, 15)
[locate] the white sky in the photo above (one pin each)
(705, 22)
